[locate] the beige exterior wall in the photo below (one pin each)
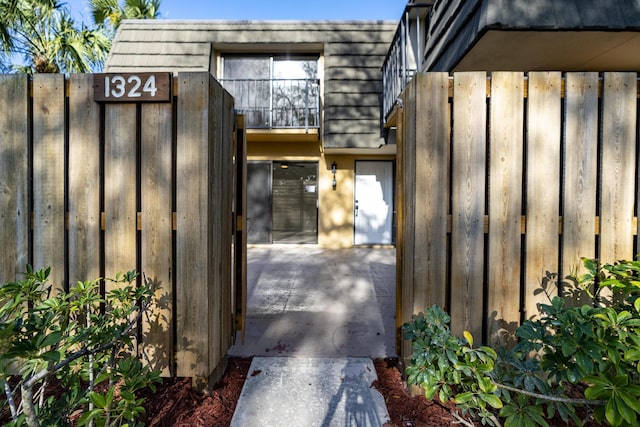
(335, 207)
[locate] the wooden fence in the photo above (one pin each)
(92, 189)
(505, 177)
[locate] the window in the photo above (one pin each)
(274, 91)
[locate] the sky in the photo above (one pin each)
(268, 9)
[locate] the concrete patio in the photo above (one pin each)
(306, 301)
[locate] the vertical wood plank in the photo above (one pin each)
(156, 240)
(241, 228)
(120, 190)
(14, 176)
(431, 189)
(219, 214)
(580, 170)
(194, 238)
(227, 227)
(400, 233)
(505, 205)
(618, 166)
(407, 191)
(543, 185)
(84, 180)
(468, 202)
(48, 175)
(214, 215)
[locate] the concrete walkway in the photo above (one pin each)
(310, 392)
(317, 317)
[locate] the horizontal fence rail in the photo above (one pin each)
(92, 189)
(277, 103)
(508, 178)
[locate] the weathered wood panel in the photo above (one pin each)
(432, 158)
(407, 171)
(120, 188)
(228, 143)
(240, 243)
(580, 170)
(543, 184)
(544, 176)
(195, 237)
(619, 164)
(157, 224)
(217, 200)
(84, 180)
(505, 205)
(14, 176)
(468, 202)
(402, 311)
(48, 176)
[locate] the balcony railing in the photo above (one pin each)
(277, 103)
(406, 53)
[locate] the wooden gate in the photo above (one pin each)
(504, 178)
(92, 189)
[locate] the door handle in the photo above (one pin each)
(356, 208)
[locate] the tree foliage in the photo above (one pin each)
(41, 36)
(85, 341)
(110, 13)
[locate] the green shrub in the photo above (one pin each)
(591, 350)
(85, 341)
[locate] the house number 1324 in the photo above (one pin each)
(132, 87)
(118, 86)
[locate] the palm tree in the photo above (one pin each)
(110, 13)
(41, 36)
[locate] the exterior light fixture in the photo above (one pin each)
(334, 168)
(284, 165)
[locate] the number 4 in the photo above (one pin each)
(150, 86)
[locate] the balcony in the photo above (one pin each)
(406, 53)
(277, 103)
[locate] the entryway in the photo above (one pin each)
(315, 320)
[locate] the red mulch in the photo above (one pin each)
(405, 410)
(176, 403)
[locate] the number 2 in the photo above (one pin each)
(133, 92)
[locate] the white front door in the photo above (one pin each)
(373, 204)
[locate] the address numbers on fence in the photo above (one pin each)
(132, 87)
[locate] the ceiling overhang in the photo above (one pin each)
(512, 50)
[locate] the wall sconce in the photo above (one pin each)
(334, 168)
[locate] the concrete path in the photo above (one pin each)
(310, 392)
(318, 316)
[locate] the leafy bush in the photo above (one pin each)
(592, 351)
(84, 340)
